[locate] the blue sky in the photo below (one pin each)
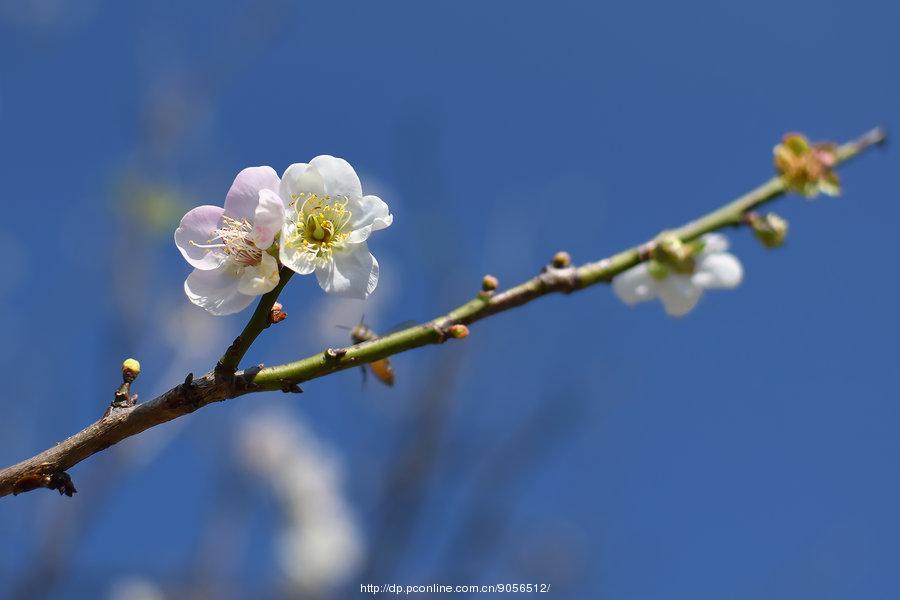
(748, 450)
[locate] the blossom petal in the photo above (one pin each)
(714, 242)
(369, 213)
(259, 279)
(243, 197)
(352, 273)
(340, 178)
(300, 178)
(298, 260)
(267, 219)
(718, 271)
(197, 226)
(679, 295)
(216, 290)
(635, 285)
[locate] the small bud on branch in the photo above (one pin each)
(562, 259)
(769, 229)
(131, 368)
(458, 331)
(277, 314)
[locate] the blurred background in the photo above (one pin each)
(749, 450)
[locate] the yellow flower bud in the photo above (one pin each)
(561, 259)
(131, 368)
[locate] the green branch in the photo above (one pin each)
(259, 320)
(552, 280)
(48, 469)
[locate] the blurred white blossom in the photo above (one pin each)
(191, 334)
(714, 267)
(135, 588)
(320, 545)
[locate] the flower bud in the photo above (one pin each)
(807, 168)
(673, 253)
(769, 229)
(489, 283)
(562, 259)
(458, 331)
(277, 314)
(130, 369)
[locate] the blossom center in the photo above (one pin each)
(234, 240)
(320, 224)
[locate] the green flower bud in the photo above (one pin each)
(769, 229)
(675, 254)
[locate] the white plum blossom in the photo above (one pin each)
(227, 246)
(328, 220)
(714, 267)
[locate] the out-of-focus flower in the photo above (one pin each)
(134, 588)
(327, 225)
(807, 168)
(712, 267)
(228, 247)
(320, 546)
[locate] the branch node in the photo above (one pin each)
(243, 381)
(645, 251)
(186, 393)
(439, 331)
(53, 480)
(335, 353)
(289, 387)
(234, 351)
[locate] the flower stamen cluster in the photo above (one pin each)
(235, 241)
(319, 225)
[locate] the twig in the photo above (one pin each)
(261, 319)
(47, 469)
